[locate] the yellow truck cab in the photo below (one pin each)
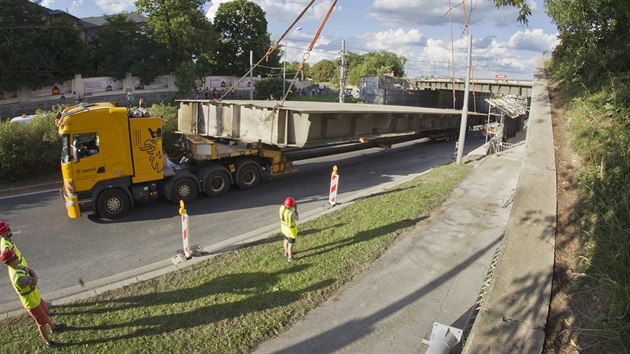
(110, 158)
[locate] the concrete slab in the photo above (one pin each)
(297, 123)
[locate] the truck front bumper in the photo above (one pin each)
(72, 204)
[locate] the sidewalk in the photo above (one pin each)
(433, 273)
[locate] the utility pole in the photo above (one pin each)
(251, 75)
(463, 127)
(342, 72)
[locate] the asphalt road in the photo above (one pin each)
(66, 252)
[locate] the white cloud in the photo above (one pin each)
(114, 6)
(75, 6)
(212, 10)
(435, 13)
(47, 3)
(392, 39)
(297, 43)
(106, 7)
(288, 10)
(281, 10)
(490, 57)
(533, 40)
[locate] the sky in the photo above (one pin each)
(425, 32)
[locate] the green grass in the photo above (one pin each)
(600, 129)
(232, 302)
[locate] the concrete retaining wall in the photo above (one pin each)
(514, 313)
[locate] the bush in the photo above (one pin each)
(269, 89)
(170, 139)
(32, 149)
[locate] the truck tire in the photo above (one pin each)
(216, 183)
(112, 203)
(247, 175)
(184, 189)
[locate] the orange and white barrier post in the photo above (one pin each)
(334, 186)
(182, 212)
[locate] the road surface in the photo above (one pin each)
(65, 252)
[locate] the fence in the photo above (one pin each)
(125, 91)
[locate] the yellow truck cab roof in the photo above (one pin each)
(78, 110)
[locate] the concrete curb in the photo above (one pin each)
(32, 188)
(514, 312)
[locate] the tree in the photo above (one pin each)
(185, 77)
(114, 47)
(123, 46)
(268, 89)
(182, 27)
(242, 27)
(594, 39)
(375, 63)
(325, 71)
(37, 49)
(293, 67)
(524, 11)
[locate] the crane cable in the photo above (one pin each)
(272, 47)
(307, 53)
(301, 67)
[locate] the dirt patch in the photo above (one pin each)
(567, 305)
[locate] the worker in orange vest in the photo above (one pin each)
(288, 214)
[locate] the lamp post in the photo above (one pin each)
(284, 70)
(463, 127)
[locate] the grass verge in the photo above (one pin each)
(236, 300)
(599, 125)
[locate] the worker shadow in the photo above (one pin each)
(228, 284)
(277, 238)
(311, 231)
(255, 299)
(386, 192)
(362, 236)
(354, 329)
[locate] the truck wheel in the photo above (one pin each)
(185, 189)
(112, 203)
(247, 175)
(216, 183)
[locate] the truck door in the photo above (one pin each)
(88, 166)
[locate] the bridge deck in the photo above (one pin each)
(298, 123)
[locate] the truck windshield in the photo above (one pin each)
(65, 148)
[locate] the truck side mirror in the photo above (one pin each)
(75, 150)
